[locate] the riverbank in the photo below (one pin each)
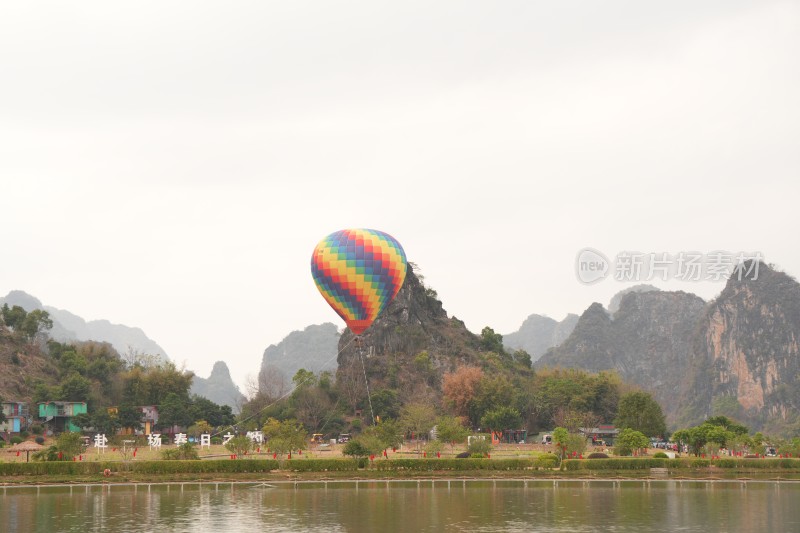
(259, 470)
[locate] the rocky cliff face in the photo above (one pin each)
(539, 333)
(745, 360)
(737, 355)
(411, 344)
(647, 343)
(413, 322)
(313, 349)
(613, 305)
(219, 387)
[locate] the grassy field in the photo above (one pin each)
(144, 453)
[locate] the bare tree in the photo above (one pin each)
(568, 418)
(590, 420)
(350, 383)
(134, 357)
(272, 382)
(313, 406)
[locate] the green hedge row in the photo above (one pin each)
(681, 463)
(465, 464)
(139, 467)
(267, 465)
(226, 466)
(323, 465)
(219, 466)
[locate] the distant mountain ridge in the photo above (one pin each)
(219, 387)
(314, 348)
(738, 355)
(646, 343)
(68, 327)
(539, 333)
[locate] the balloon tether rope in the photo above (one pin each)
(364, 369)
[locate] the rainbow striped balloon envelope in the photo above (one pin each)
(358, 272)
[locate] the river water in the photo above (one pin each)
(408, 506)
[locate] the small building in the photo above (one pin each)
(58, 415)
(16, 414)
(510, 436)
(604, 433)
(149, 418)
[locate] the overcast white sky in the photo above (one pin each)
(171, 165)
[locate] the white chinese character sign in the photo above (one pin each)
(256, 436)
(205, 440)
(154, 440)
(226, 437)
(100, 442)
(180, 438)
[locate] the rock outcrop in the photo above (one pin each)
(737, 355)
(411, 345)
(219, 387)
(539, 333)
(313, 348)
(745, 360)
(647, 343)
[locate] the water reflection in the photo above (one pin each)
(569, 506)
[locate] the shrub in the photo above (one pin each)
(37, 429)
(16, 440)
(434, 447)
(599, 455)
(660, 455)
(48, 454)
(355, 448)
(548, 460)
(480, 447)
(39, 440)
(184, 452)
(70, 444)
(240, 445)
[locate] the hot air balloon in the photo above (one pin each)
(358, 272)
